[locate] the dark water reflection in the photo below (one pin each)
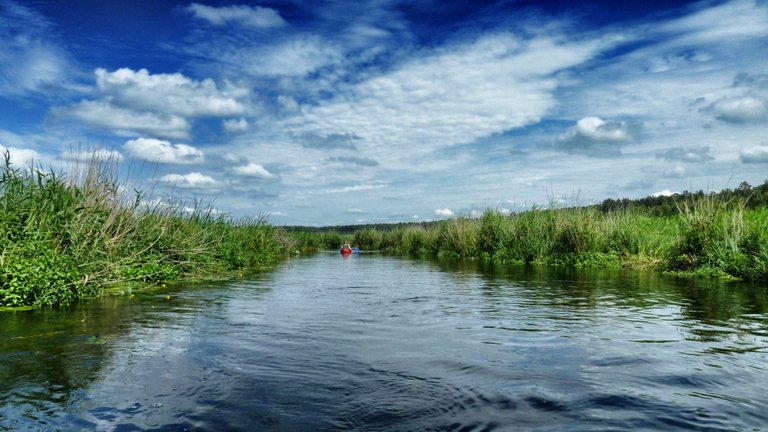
(384, 344)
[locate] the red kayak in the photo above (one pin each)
(346, 251)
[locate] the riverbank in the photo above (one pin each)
(68, 237)
(709, 237)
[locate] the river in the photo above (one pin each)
(377, 343)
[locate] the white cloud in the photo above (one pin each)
(665, 192)
(37, 68)
(597, 129)
(139, 103)
(354, 160)
(740, 110)
(191, 180)
(101, 114)
(727, 22)
(295, 57)
(170, 93)
(693, 154)
(101, 154)
(449, 96)
(444, 212)
(757, 154)
(29, 60)
(235, 125)
(246, 16)
(357, 188)
(19, 157)
(677, 171)
(355, 211)
(288, 103)
(595, 136)
(155, 150)
(253, 170)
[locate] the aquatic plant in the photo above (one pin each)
(719, 236)
(712, 235)
(63, 237)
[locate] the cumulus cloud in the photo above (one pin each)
(597, 137)
(191, 180)
(20, 157)
(246, 16)
(103, 115)
(100, 154)
(745, 102)
(444, 212)
(757, 154)
(665, 192)
(687, 154)
(253, 170)
(354, 160)
(169, 93)
(235, 125)
(740, 110)
(155, 150)
(159, 105)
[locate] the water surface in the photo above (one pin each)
(377, 343)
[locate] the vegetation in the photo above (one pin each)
(67, 237)
(721, 234)
(663, 205)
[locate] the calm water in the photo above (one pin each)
(374, 343)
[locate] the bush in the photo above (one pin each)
(36, 274)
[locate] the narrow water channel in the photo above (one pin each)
(375, 343)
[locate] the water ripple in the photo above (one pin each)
(381, 344)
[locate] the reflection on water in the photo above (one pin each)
(380, 343)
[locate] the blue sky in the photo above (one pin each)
(335, 112)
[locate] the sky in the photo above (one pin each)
(372, 111)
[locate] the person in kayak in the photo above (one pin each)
(346, 246)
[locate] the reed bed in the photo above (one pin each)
(65, 237)
(710, 236)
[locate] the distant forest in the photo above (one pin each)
(669, 205)
(753, 196)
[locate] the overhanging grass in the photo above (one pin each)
(66, 237)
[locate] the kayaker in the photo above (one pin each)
(346, 246)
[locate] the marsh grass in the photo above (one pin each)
(67, 237)
(721, 238)
(710, 236)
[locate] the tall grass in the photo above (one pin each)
(720, 237)
(710, 236)
(66, 237)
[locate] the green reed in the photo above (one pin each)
(68, 237)
(710, 236)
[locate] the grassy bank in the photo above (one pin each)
(709, 236)
(67, 237)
